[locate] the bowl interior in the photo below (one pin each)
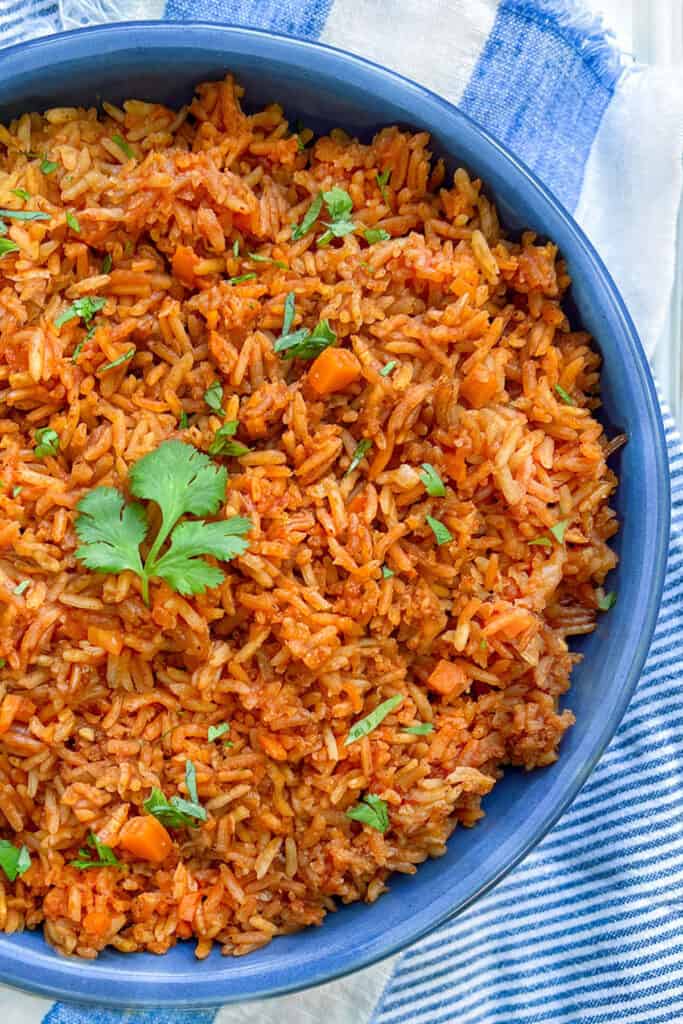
(326, 89)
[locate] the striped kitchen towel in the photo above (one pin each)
(588, 929)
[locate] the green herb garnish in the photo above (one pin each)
(422, 729)
(72, 221)
(47, 166)
(119, 361)
(559, 529)
(22, 587)
(106, 263)
(119, 141)
(387, 573)
(542, 542)
(383, 180)
(24, 215)
(223, 444)
(213, 396)
(370, 722)
(182, 481)
(16, 491)
(216, 731)
(21, 193)
(106, 858)
(183, 422)
(373, 235)
(564, 395)
(361, 450)
(2, 662)
(47, 442)
(433, 483)
(339, 206)
(7, 246)
(14, 860)
(256, 257)
(371, 811)
(310, 217)
(242, 277)
(84, 308)
(441, 532)
(607, 601)
(305, 344)
(176, 812)
(388, 367)
(191, 781)
(236, 248)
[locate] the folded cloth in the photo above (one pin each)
(586, 930)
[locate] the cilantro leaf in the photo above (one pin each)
(383, 180)
(608, 601)
(84, 308)
(111, 531)
(388, 367)
(289, 311)
(310, 217)
(223, 444)
(119, 141)
(256, 257)
(339, 205)
(564, 395)
(119, 361)
(362, 449)
(14, 860)
(106, 263)
(370, 722)
(47, 166)
(181, 480)
(191, 781)
(542, 542)
(105, 856)
(433, 483)
(47, 442)
(7, 246)
(305, 344)
(242, 277)
(183, 569)
(213, 396)
(72, 221)
(441, 532)
(373, 235)
(216, 731)
(22, 587)
(21, 193)
(558, 530)
(421, 729)
(176, 812)
(24, 215)
(372, 811)
(387, 573)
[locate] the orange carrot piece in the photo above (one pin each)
(187, 907)
(480, 384)
(146, 838)
(273, 747)
(454, 464)
(8, 711)
(97, 922)
(107, 639)
(333, 370)
(448, 679)
(184, 262)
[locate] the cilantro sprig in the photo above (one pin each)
(302, 343)
(176, 812)
(339, 206)
(84, 308)
(14, 860)
(104, 855)
(372, 811)
(182, 481)
(368, 724)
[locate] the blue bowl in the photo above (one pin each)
(326, 88)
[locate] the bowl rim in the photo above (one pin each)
(41, 973)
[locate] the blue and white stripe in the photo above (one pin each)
(589, 929)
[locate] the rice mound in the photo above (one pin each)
(307, 634)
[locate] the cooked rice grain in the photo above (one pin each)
(305, 635)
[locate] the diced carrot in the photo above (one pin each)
(184, 262)
(107, 639)
(146, 838)
(333, 370)
(357, 504)
(480, 384)
(187, 907)
(454, 464)
(448, 679)
(8, 711)
(97, 922)
(273, 747)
